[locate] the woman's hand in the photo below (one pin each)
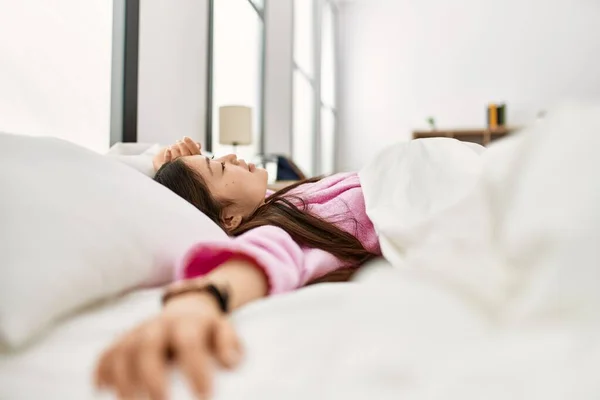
(185, 147)
(190, 330)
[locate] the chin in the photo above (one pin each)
(262, 172)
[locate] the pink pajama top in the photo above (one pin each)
(287, 265)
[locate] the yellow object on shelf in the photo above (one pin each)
(493, 116)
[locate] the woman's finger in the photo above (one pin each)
(150, 361)
(191, 146)
(110, 368)
(123, 380)
(125, 374)
(168, 155)
(190, 344)
(183, 149)
(103, 368)
(175, 152)
(227, 345)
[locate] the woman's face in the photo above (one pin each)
(232, 180)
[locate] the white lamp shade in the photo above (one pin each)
(235, 125)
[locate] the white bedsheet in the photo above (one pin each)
(516, 318)
(330, 341)
(397, 334)
(515, 231)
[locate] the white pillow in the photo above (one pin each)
(77, 227)
(139, 156)
(133, 149)
(142, 163)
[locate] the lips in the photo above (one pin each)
(251, 167)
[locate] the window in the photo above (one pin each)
(304, 32)
(303, 142)
(303, 139)
(328, 56)
(314, 103)
(237, 60)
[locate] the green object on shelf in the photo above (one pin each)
(431, 122)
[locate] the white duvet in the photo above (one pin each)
(494, 291)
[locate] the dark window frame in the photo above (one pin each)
(130, 71)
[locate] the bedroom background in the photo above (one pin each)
(497, 249)
(140, 70)
(150, 71)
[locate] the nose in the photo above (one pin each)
(231, 158)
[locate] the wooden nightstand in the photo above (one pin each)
(278, 185)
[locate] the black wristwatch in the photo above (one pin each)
(221, 295)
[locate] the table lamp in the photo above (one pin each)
(235, 126)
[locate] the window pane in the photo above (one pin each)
(304, 27)
(236, 67)
(327, 141)
(328, 56)
(303, 137)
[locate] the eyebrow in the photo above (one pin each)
(208, 165)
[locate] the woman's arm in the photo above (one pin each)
(191, 329)
(286, 265)
(244, 280)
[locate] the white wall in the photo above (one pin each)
(405, 60)
(172, 70)
(55, 69)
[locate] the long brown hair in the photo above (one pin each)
(282, 209)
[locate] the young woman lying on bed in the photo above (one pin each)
(315, 230)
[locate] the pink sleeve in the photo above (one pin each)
(287, 265)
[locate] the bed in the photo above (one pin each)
(321, 342)
(487, 291)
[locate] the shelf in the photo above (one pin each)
(485, 136)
